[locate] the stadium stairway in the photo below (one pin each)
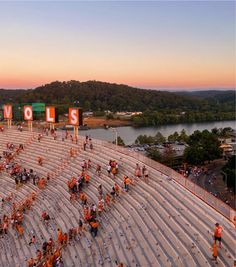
(154, 224)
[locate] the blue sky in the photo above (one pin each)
(162, 44)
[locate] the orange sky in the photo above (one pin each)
(150, 45)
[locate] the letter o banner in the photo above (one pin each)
(28, 113)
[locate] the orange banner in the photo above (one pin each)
(7, 111)
(73, 116)
(50, 114)
(28, 113)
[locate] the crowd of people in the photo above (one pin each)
(51, 253)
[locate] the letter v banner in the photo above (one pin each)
(7, 112)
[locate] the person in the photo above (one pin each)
(100, 190)
(40, 161)
(71, 152)
(117, 189)
(126, 183)
(217, 233)
(143, 170)
(107, 199)
(109, 170)
(84, 145)
(146, 175)
(100, 206)
(32, 240)
(89, 164)
(59, 236)
(98, 170)
(45, 217)
(83, 198)
(65, 238)
(94, 228)
(30, 262)
(214, 252)
(137, 172)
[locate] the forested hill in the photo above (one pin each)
(106, 96)
(215, 96)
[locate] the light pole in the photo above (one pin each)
(76, 103)
(115, 131)
(225, 174)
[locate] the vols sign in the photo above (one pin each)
(50, 114)
(73, 116)
(28, 113)
(7, 109)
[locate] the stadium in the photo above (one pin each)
(161, 219)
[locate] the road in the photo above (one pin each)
(212, 181)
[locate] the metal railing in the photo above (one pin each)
(207, 197)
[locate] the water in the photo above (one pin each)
(129, 133)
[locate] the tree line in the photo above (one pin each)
(158, 107)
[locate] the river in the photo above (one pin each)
(129, 133)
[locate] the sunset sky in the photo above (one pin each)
(157, 45)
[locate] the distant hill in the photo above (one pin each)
(97, 95)
(222, 96)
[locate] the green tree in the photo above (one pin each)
(183, 137)
(159, 138)
(87, 105)
(153, 154)
(120, 141)
(203, 146)
(144, 139)
(173, 137)
(230, 171)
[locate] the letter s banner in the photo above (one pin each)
(73, 116)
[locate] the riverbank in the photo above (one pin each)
(101, 122)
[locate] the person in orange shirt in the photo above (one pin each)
(65, 238)
(87, 215)
(59, 236)
(49, 262)
(56, 254)
(71, 152)
(30, 262)
(94, 228)
(117, 189)
(100, 207)
(83, 198)
(217, 233)
(214, 252)
(126, 183)
(19, 230)
(87, 178)
(107, 199)
(40, 161)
